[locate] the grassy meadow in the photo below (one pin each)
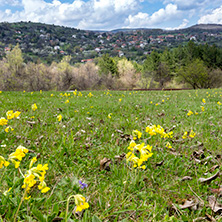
(85, 149)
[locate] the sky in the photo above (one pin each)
(113, 14)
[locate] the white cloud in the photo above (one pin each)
(187, 4)
(181, 26)
(102, 14)
(214, 17)
(170, 12)
(10, 2)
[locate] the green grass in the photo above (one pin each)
(74, 147)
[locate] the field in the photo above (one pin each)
(89, 151)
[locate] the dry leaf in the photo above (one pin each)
(211, 218)
(199, 154)
(213, 168)
(214, 205)
(200, 219)
(58, 219)
(199, 144)
(31, 123)
(126, 136)
(105, 164)
(191, 204)
(209, 179)
(160, 163)
(120, 157)
(119, 131)
(186, 178)
(161, 114)
(218, 190)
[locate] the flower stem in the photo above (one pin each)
(23, 197)
(67, 207)
(2, 175)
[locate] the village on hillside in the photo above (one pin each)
(50, 43)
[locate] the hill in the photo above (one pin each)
(51, 42)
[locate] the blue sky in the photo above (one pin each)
(113, 14)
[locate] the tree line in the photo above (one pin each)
(192, 65)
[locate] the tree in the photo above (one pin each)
(127, 73)
(108, 65)
(195, 74)
(14, 75)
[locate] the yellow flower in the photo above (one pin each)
(185, 135)
(44, 190)
(219, 103)
(109, 115)
(0, 91)
(192, 134)
(33, 160)
(52, 95)
(67, 101)
(16, 114)
(18, 155)
(27, 197)
(10, 114)
(120, 100)
(90, 94)
(30, 180)
(168, 145)
(3, 121)
(202, 108)
(7, 191)
(203, 100)
(136, 134)
(190, 113)
(34, 107)
(59, 117)
(80, 202)
(9, 128)
(3, 162)
(40, 91)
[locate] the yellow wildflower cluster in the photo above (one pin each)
(144, 154)
(10, 115)
(190, 113)
(34, 175)
(18, 155)
(80, 202)
(9, 128)
(136, 134)
(154, 130)
(59, 117)
(192, 134)
(3, 162)
(219, 103)
(3, 121)
(90, 95)
(34, 107)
